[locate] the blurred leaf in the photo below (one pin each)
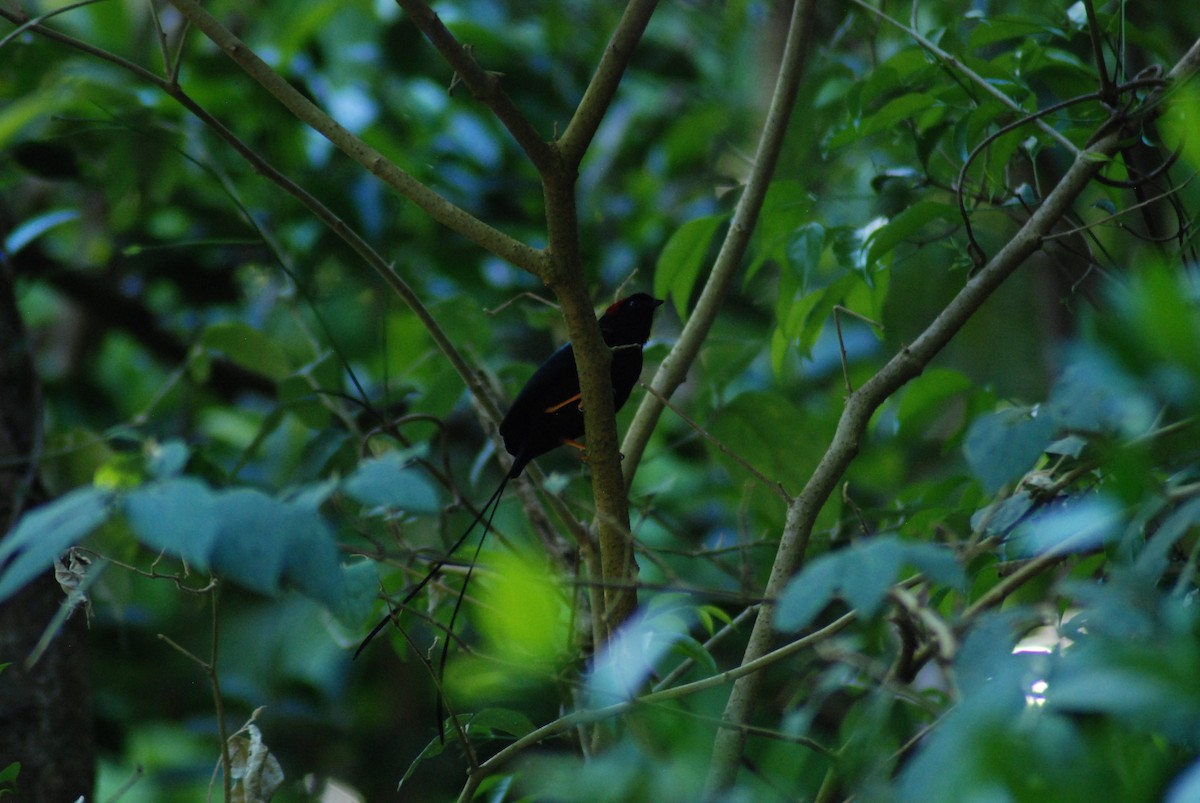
(1186, 786)
(35, 227)
(247, 347)
(1095, 395)
(176, 517)
(627, 660)
(1004, 445)
(167, 459)
(524, 615)
(392, 481)
(1078, 526)
(808, 593)
(47, 531)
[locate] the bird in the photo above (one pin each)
(548, 413)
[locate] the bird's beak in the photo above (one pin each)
(658, 302)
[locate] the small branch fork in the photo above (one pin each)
(904, 366)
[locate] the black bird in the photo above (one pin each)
(548, 413)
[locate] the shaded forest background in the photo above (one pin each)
(913, 490)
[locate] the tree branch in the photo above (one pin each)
(309, 201)
(954, 63)
(484, 85)
(861, 405)
(437, 207)
(603, 86)
(589, 715)
(674, 368)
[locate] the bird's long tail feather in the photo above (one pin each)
(493, 502)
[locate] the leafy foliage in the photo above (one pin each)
(253, 436)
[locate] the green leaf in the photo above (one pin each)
(884, 240)
(691, 648)
(771, 434)
(490, 721)
(391, 481)
(248, 348)
(9, 774)
(682, 258)
(804, 252)
(926, 399)
(897, 110)
(1004, 445)
(46, 532)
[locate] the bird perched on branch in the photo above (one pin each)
(548, 413)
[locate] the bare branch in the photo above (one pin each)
(675, 367)
(603, 86)
(862, 404)
(437, 207)
(484, 85)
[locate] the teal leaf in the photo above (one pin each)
(1186, 786)
(1076, 527)
(936, 562)
(46, 532)
(391, 481)
(178, 517)
(356, 598)
(1004, 445)
(808, 593)
(868, 571)
(311, 561)
(251, 548)
(167, 459)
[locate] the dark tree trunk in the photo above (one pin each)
(45, 713)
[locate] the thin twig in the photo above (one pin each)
(435, 205)
(775, 486)
(674, 369)
(954, 63)
(589, 715)
(484, 85)
(603, 87)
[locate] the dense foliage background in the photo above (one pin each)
(249, 435)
